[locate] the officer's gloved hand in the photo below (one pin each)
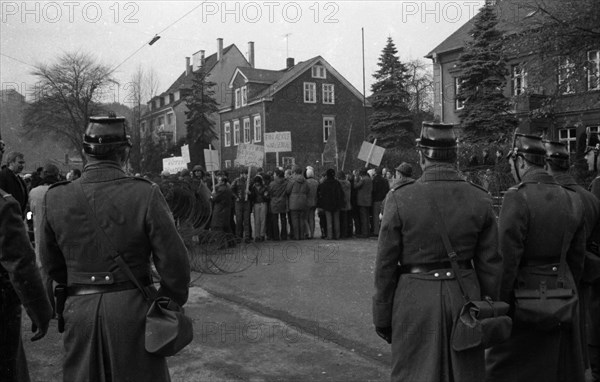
(385, 333)
(40, 321)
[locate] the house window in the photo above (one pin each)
(593, 70)
(565, 75)
(177, 95)
(227, 134)
(244, 95)
(161, 123)
(238, 98)
(236, 133)
(328, 94)
(288, 161)
(569, 137)
(257, 129)
(246, 130)
(169, 118)
(143, 127)
(327, 127)
(458, 103)
(228, 164)
(318, 71)
(310, 92)
(518, 79)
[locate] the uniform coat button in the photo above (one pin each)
(93, 278)
(448, 274)
(107, 278)
(436, 274)
(554, 269)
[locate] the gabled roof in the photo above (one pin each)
(294, 72)
(514, 16)
(261, 76)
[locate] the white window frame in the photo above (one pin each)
(569, 138)
(310, 92)
(170, 118)
(458, 104)
(328, 94)
(593, 69)
(257, 128)
(236, 132)
(244, 95)
(328, 127)
(227, 134)
(177, 96)
(566, 70)
(318, 71)
(228, 163)
(288, 161)
(247, 136)
(238, 98)
(518, 77)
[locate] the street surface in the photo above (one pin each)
(296, 311)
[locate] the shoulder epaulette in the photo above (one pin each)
(516, 186)
(62, 183)
(142, 179)
(5, 194)
(400, 185)
(478, 186)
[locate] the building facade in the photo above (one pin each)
(310, 99)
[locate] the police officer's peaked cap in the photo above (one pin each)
(529, 147)
(437, 141)
(592, 142)
(198, 168)
(104, 134)
(557, 154)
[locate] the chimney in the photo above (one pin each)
(187, 66)
(290, 62)
(202, 58)
(219, 49)
(251, 53)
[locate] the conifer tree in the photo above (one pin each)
(391, 122)
(486, 114)
(200, 128)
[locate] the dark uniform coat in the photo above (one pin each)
(591, 290)
(20, 283)
(104, 333)
(534, 217)
(14, 185)
(421, 308)
(223, 203)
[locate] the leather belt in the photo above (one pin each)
(85, 289)
(428, 267)
(540, 261)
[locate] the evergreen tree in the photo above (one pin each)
(391, 122)
(200, 128)
(486, 113)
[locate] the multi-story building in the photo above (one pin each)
(575, 93)
(310, 99)
(166, 111)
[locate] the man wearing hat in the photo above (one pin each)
(88, 225)
(417, 297)
(20, 284)
(590, 283)
(537, 217)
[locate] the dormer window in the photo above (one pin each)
(318, 71)
(238, 98)
(244, 95)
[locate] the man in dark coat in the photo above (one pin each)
(223, 203)
(278, 205)
(86, 224)
(20, 283)
(364, 200)
(537, 217)
(417, 297)
(380, 189)
(297, 191)
(11, 182)
(242, 206)
(591, 275)
(330, 197)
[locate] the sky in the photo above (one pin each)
(117, 34)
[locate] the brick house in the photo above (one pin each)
(166, 112)
(577, 94)
(309, 99)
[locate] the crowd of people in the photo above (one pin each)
(284, 204)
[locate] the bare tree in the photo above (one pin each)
(151, 84)
(420, 86)
(68, 93)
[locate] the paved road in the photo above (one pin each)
(300, 311)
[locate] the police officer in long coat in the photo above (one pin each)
(536, 216)
(417, 296)
(104, 313)
(20, 284)
(591, 275)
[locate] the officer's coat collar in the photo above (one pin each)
(440, 172)
(102, 171)
(565, 180)
(537, 175)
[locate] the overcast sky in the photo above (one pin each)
(37, 32)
